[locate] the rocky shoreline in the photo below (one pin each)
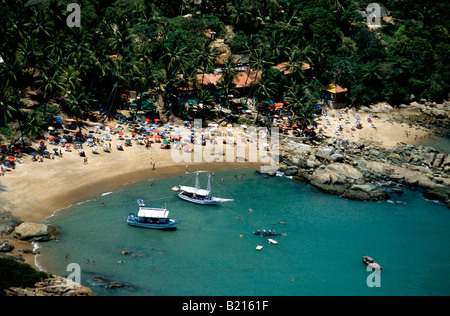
(358, 169)
(13, 232)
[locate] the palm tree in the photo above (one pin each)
(205, 57)
(32, 124)
(240, 15)
(57, 45)
(258, 60)
(175, 56)
(29, 53)
(301, 98)
(11, 73)
(50, 84)
(167, 80)
(10, 104)
(226, 82)
(71, 78)
(189, 71)
(205, 98)
(76, 104)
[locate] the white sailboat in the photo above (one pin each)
(200, 196)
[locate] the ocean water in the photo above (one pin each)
(319, 254)
(440, 143)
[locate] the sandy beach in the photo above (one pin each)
(382, 132)
(34, 190)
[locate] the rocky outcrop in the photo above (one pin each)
(35, 232)
(54, 286)
(346, 181)
(11, 229)
(351, 169)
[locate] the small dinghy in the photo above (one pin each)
(264, 233)
(259, 247)
(272, 241)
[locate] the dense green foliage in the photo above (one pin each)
(151, 45)
(13, 273)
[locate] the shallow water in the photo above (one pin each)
(320, 254)
(440, 143)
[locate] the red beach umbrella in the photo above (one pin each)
(157, 120)
(134, 134)
(51, 138)
(120, 133)
(158, 136)
(11, 159)
(148, 120)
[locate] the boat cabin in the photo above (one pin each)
(152, 215)
(194, 192)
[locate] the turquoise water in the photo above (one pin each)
(439, 143)
(320, 254)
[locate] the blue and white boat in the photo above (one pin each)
(152, 217)
(199, 196)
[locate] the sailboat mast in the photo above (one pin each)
(197, 182)
(209, 184)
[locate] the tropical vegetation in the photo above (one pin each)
(163, 45)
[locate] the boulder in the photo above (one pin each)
(35, 232)
(7, 223)
(337, 173)
(291, 171)
(325, 152)
(54, 286)
(337, 158)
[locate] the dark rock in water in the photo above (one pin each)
(6, 247)
(438, 195)
(7, 223)
(106, 283)
(364, 192)
(291, 171)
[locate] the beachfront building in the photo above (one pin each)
(334, 94)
